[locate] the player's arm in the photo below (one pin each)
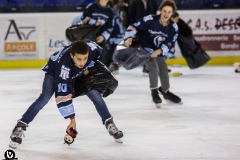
(95, 51)
(63, 95)
(169, 43)
(72, 124)
(109, 28)
(98, 52)
(87, 16)
(132, 30)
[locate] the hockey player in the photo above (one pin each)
(100, 14)
(156, 35)
(116, 36)
(64, 65)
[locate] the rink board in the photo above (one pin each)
(176, 61)
(29, 39)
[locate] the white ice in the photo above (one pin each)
(205, 126)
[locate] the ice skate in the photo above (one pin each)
(155, 97)
(114, 68)
(170, 97)
(113, 130)
(17, 133)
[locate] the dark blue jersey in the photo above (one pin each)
(61, 66)
(94, 12)
(152, 35)
(118, 30)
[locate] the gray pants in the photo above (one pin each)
(158, 67)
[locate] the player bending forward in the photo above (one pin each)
(68, 63)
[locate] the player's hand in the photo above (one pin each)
(156, 53)
(86, 19)
(98, 23)
(99, 39)
(72, 125)
(128, 42)
(86, 72)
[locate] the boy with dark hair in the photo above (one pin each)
(63, 66)
(116, 36)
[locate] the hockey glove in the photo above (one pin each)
(69, 137)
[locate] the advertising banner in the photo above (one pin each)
(19, 38)
(56, 25)
(37, 36)
(216, 30)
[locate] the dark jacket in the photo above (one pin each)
(137, 11)
(191, 50)
(184, 28)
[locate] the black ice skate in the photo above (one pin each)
(155, 97)
(114, 68)
(170, 96)
(17, 133)
(113, 130)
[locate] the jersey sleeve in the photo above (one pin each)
(170, 41)
(87, 15)
(109, 26)
(63, 92)
(98, 51)
(94, 50)
(141, 25)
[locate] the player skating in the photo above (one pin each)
(156, 35)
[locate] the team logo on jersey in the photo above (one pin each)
(158, 40)
(147, 18)
(64, 72)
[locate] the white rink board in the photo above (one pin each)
(56, 25)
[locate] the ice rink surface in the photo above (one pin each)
(205, 126)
